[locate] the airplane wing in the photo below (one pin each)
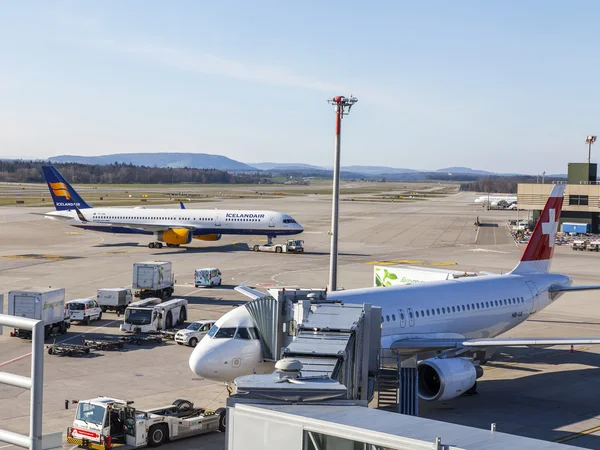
(249, 292)
(559, 288)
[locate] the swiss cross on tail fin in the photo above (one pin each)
(539, 250)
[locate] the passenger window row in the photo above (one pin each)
(457, 308)
(242, 220)
(149, 218)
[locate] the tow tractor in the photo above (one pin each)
(291, 246)
(102, 423)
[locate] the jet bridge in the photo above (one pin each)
(330, 339)
(338, 341)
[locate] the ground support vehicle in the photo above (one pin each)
(207, 277)
(104, 344)
(150, 316)
(83, 310)
(47, 305)
(580, 244)
(139, 339)
(103, 422)
(166, 334)
(594, 246)
(114, 299)
(291, 246)
(68, 350)
(153, 279)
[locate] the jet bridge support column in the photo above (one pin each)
(408, 381)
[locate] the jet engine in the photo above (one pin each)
(175, 236)
(445, 379)
(208, 237)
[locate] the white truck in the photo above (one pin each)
(395, 275)
(153, 279)
(115, 299)
(291, 246)
(102, 423)
(150, 315)
(43, 304)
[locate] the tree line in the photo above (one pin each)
(18, 171)
(506, 185)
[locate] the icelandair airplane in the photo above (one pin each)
(171, 226)
(455, 321)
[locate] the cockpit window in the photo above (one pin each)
(242, 333)
(253, 332)
(212, 331)
(289, 221)
(225, 333)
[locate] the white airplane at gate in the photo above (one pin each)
(456, 320)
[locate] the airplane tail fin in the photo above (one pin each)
(538, 253)
(64, 196)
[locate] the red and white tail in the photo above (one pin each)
(539, 250)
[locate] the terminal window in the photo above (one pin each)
(319, 441)
(578, 200)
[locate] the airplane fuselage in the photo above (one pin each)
(472, 308)
(201, 221)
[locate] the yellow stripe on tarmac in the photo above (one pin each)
(576, 435)
(73, 232)
(411, 261)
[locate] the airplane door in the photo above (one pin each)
(534, 294)
(272, 222)
(218, 221)
(411, 317)
(402, 318)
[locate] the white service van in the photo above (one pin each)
(83, 310)
(207, 277)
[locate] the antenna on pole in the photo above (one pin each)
(342, 106)
(589, 140)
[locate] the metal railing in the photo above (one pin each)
(35, 384)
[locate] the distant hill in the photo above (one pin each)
(377, 170)
(284, 166)
(466, 170)
(192, 160)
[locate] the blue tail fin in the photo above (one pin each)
(64, 196)
(182, 205)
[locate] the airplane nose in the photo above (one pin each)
(208, 363)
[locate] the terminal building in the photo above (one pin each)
(582, 196)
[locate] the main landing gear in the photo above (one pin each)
(160, 245)
(270, 240)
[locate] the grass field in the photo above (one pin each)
(36, 195)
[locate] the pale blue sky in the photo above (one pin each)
(507, 86)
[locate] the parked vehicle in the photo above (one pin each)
(594, 246)
(114, 299)
(47, 305)
(207, 277)
(580, 244)
(150, 315)
(103, 422)
(291, 246)
(153, 279)
(84, 310)
(194, 332)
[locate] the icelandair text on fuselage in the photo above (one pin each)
(244, 216)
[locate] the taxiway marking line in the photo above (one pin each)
(576, 435)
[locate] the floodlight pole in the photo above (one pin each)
(342, 107)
